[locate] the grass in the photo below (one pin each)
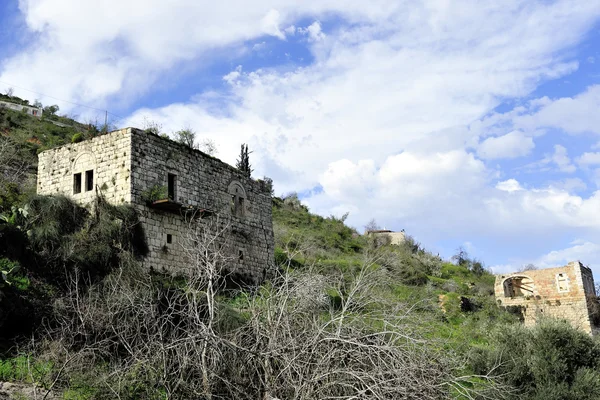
(24, 368)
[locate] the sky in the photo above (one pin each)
(466, 123)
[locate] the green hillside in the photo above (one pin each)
(345, 316)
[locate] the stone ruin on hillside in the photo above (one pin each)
(565, 292)
(126, 165)
(386, 236)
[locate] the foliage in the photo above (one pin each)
(59, 237)
(552, 360)
(78, 137)
(243, 163)
(208, 146)
(152, 127)
(154, 193)
(187, 137)
(24, 368)
(51, 110)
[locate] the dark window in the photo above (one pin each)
(241, 255)
(238, 206)
(89, 180)
(169, 238)
(171, 183)
(77, 183)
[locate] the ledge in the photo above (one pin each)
(179, 208)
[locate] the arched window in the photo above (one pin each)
(83, 169)
(238, 198)
(518, 286)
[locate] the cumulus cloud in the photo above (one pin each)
(559, 160)
(383, 118)
(512, 145)
(575, 115)
(509, 185)
(588, 159)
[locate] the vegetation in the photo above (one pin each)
(344, 316)
(243, 163)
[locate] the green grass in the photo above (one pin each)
(23, 368)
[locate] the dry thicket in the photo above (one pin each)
(304, 335)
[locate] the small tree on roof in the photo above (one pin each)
(243, 163)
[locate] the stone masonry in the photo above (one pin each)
(562, 292)
(126, 165)
(396, 238)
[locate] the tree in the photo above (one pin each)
(186, 136)
(462, 257)
(372, 226)
(38, 104)
(152, 127)
(243, 163)
(51, 110)
(10, 92)
(528, 267)
(208, 146)
(550, 361)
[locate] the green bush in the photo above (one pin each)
(154, 193)
(76, 138)
(551, 361)
(22, 368)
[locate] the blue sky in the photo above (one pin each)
(465, 123)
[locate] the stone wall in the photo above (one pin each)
(553, 292)
(125, 165)
(108, 156)
(388, 236)
(33, 111)
(202, 182)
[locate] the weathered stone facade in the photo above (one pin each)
(561, 292)
(126, 165)
(396, 238)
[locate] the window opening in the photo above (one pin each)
(562, 282)
(171, 183)
(77, 183)
(89, 180)
(169, 238)
(518, 286)
(239, 206)
(241, 255)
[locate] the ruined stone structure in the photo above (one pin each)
(167, 183)
(393, 237)
(563, 292)
(31, 110)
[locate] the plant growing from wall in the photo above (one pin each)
(154, 193)
(243, 163)
(186, 136)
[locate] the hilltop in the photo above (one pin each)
(346, 316)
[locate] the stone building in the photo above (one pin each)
(31, 110)
(386, 235)
(168, 183)
(564, 292)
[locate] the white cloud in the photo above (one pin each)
(382, 117)
(313, 31)
(375, 93)
(575, 115)
(510, 185)
(512, 145)
(587, 159)
(559, 160)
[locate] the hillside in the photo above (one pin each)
(345, 316)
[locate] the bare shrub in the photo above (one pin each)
(303, 335)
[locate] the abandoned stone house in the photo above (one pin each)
(130, 166)
(388, 236)
(564, 292)
(31, 110)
